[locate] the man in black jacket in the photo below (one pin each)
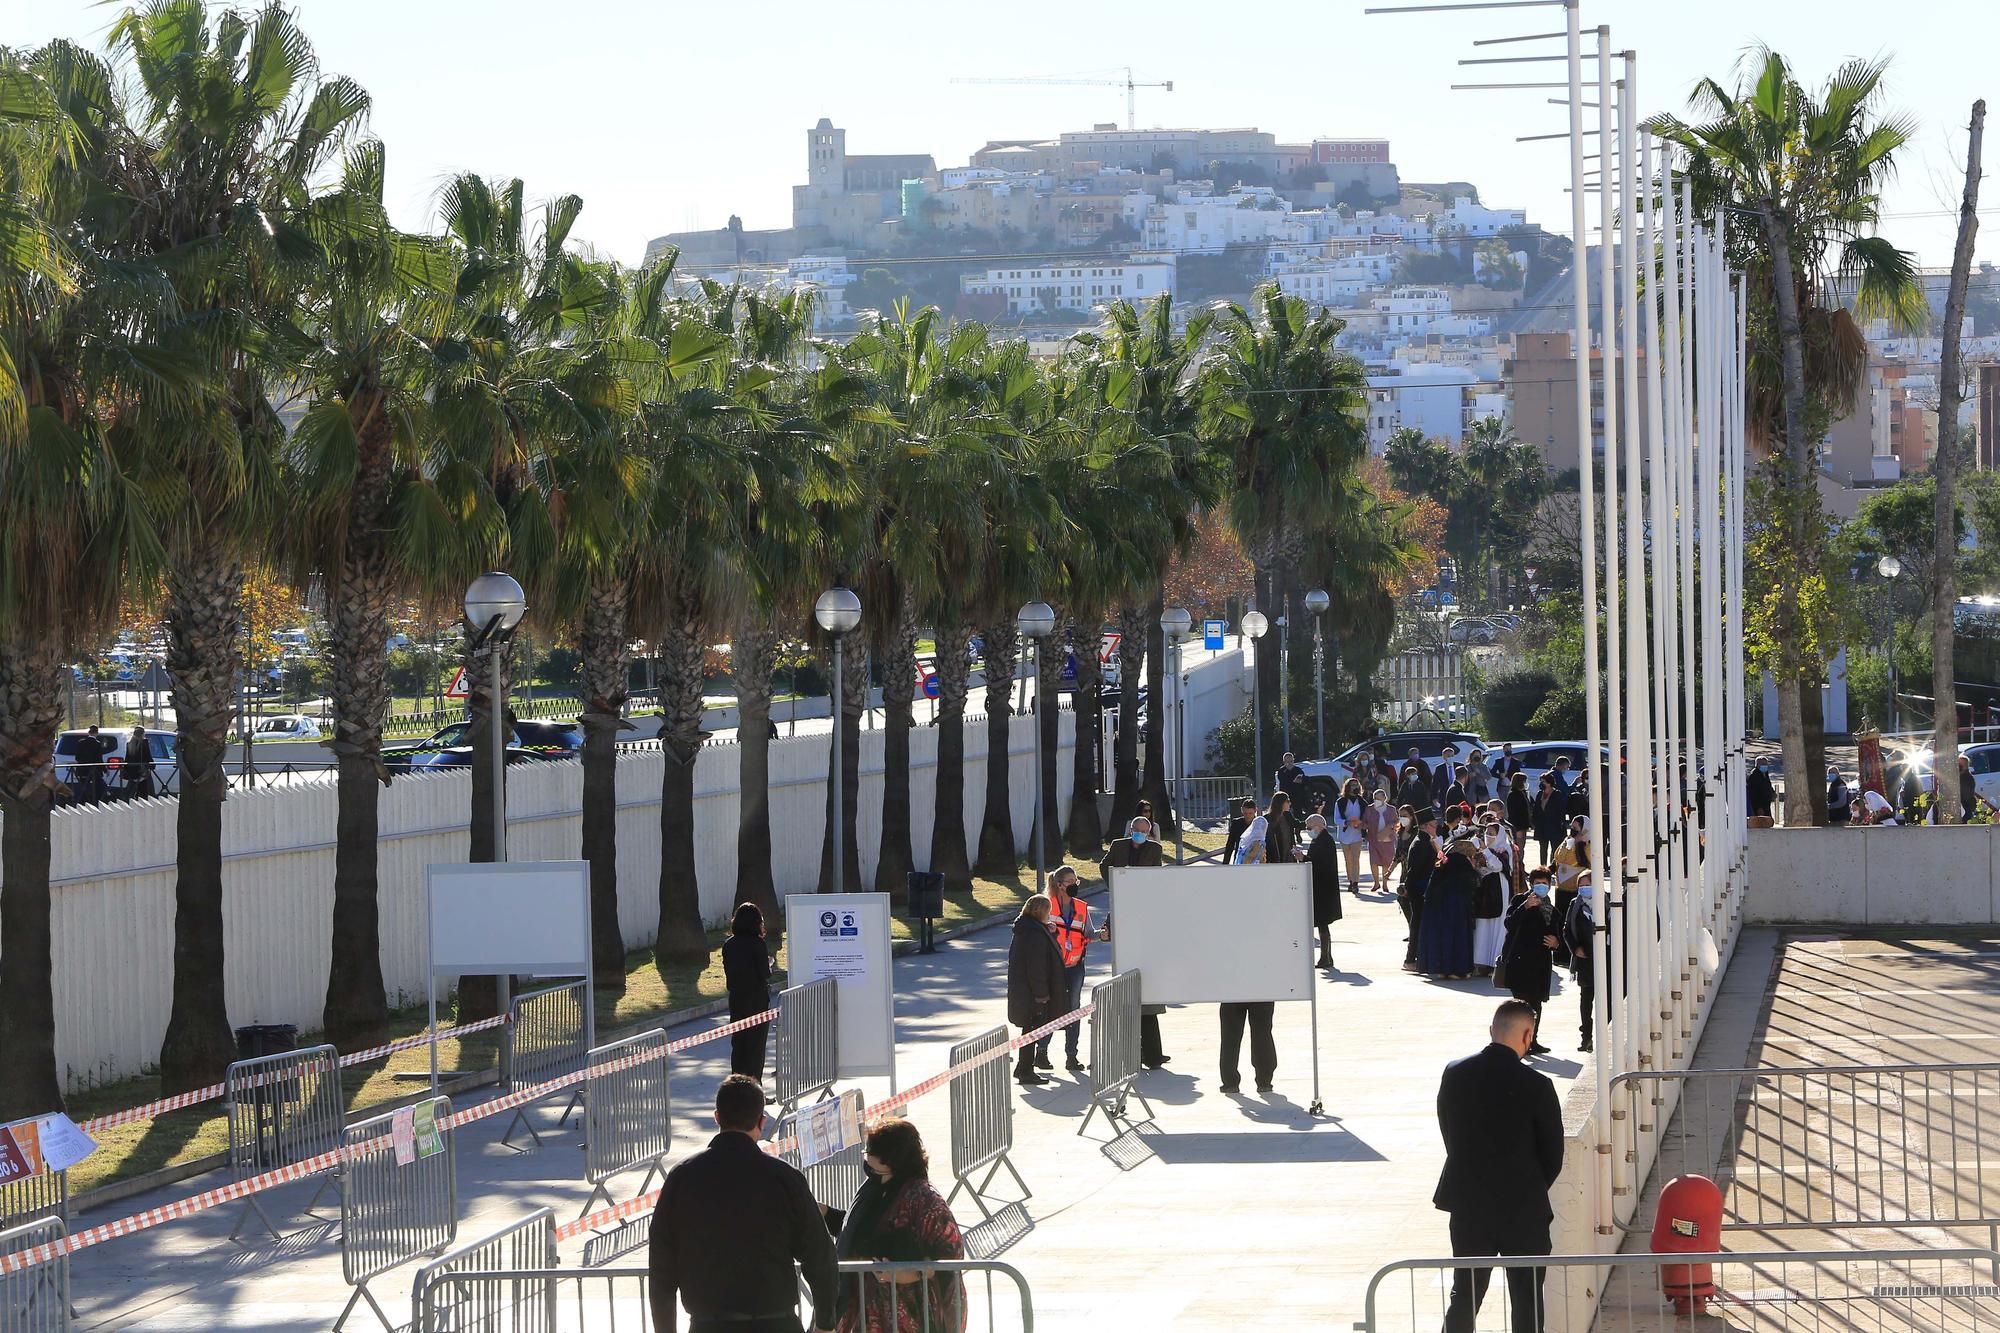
(1245, 813)
(731, 1222)
(1503, 1148)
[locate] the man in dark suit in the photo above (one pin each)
(1507, 765)
(1324, 854)
(1445, 776)
(1503, 1148)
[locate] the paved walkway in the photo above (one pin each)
(1243, 1212)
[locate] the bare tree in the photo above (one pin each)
(1944, 745)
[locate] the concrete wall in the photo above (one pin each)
(113, 875)
(1947, 875)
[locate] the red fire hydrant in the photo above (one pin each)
(1689, 1221)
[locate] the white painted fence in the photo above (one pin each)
(113, 873)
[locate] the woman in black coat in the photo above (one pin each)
(1034, 979)
(1520, 811)
(1323, 853)
(1551, 817)
(1526, 957)
(746, 971)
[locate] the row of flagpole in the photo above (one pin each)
(1663, 667)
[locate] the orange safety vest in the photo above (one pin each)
(1072, 930)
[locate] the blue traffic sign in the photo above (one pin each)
(1211, 634)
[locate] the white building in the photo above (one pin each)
(1469, 219)
(1429, 398)
(1208, 224)
(1083, 286)
(1339, 280)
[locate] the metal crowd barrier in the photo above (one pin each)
(35, 1299)
(808, 1043)
(627, 1120)
(282, 1110)
(393, 1210)
(1882, 1291)
(545, 1037)
(835, 1179)
(570, 1300)
(523, 1306)
(1114, 1048)
(982, 1119)
(29, 1198)
(1834, 1148)
(1208, 801)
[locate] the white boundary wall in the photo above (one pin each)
(113, 874)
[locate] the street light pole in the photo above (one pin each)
(1889, 567)
(495, 604)
(1254, 627)
(1316, 602)
(838, 611)
(1285, 679)
(1174, 623)
(1036, 621)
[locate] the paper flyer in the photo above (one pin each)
(429, 1139)
(403, 1134)
(60, 1143)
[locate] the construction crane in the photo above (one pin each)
(1131, 89)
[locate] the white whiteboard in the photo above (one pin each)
(846, 936)
(1205, 934)
(531, 917)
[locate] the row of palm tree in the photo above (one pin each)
(218, 353)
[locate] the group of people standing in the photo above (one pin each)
(92, 770)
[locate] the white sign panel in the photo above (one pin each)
(530, 917)
(846, 936)
(1205, 934)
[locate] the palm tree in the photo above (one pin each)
(369, 503)
(1802, 173)
(84, 361)
(1291, 411)
(238, 127)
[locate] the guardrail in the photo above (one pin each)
(931, 1298)
(1833, 1148)
(283, 1110)
(398, 1196)
(808, 1042)
(528, 1244)
(1883, 1291)
(1114, 1048)
(1208, 800)
(547, 1034)
(35, 1300)
(982, 1118)
(627, 1117)
(29, 1198)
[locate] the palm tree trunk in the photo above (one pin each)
(853, 699)
(605, 673)
(899, 689)
(1049, 659)
(753, 663)
(998, 854)
(953, 665)
(1084, 834)
(357, 1006)
(204, 628)
(1125, 748)
(30, 713)
(1154, 787)
(682, 936)
(479, 996)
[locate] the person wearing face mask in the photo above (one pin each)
(1349, 831)
(1136, 848)
(1524, 958)
(898, 1217)
(1444, 942)
(1323, 852)
(1760, 797)
(1579, 934)
(1251, 849)
(1489, 903)
(1379, 823)
(1069, 917)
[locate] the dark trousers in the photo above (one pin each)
(1263, 1050)
(1150, 1053)
(1024, 1062)
(1074, 976)
(746, 1051)
(1480, 1236)
(1413, 913)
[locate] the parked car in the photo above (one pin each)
(1983, 758)
(1325, 776)
(1507, 621)
(285, 727)
(1539, 757)
(540, 738)
(462, 756)
(1472, 631)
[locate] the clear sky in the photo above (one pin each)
(670, 114)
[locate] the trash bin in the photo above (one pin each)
(269, 1101)
(926, 905)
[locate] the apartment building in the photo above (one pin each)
(1027, 288)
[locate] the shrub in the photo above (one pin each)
(1509, 702)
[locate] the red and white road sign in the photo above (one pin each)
(1107, 647)
(458, 689)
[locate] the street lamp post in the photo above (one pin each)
(494, 605)
(1036, 621)
(1285, 679)
(1174, 623)
(838, 611)
(1890, 568)
(1255, 627)
(1316, 602)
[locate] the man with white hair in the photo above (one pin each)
(1503, 1148)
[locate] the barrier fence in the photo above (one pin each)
(529, 1244)
(808, 1042)
(1208, 801)
(982, 1117)
(1882, 1291)
(34, 1300)
(546, 1036)
(570, 1300)
(283, 1110)
(398, 1197)
(834, 1179)
(1832, 1148)
(1114, 1048)
(28, 1198)
(627, 1120)
(1416, 681)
